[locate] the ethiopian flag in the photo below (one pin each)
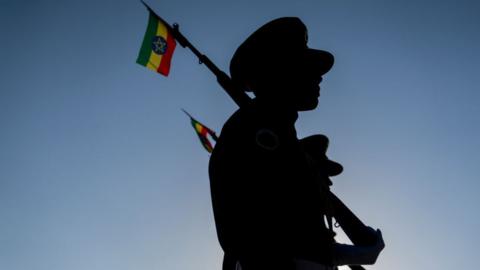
(203, 132)
(158, 46)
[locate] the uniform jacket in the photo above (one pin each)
(267, 204)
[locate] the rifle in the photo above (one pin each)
(353, 227)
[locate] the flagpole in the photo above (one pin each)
(233, 90)
(211, 132)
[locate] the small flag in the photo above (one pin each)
(158, 45)
(202, 132)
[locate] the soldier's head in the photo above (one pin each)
(275, 63)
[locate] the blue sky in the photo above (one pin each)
(100, 169)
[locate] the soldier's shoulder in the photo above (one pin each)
(240, 121)
(251, 130)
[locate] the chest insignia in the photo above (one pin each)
(267, 139)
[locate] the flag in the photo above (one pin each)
(158, 45)
(202, 132)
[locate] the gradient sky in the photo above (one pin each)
(100, 169)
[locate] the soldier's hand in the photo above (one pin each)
(373, 251)
(359, 255)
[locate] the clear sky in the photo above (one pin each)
(100, 169)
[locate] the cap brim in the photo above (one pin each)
(334, 168)
(319, 61)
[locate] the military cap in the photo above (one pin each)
(316, 146)
(279, 44)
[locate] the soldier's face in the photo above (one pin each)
(302, 88)
(307, 93)
(295, 86)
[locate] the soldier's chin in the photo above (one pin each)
(308, 105)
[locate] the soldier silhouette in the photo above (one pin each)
(268, 200)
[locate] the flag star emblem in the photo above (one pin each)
(159, 45)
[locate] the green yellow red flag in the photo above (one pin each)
(158, 46)
(202, 132)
